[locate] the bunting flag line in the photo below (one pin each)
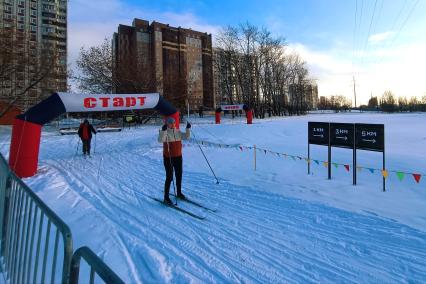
(385, 173)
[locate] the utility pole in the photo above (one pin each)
(354, 90)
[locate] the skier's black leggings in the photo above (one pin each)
(170, 164)
(86, 146)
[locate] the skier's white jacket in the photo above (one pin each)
(172, 141)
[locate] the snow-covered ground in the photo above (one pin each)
(273, 225)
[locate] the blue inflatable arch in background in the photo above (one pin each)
(26, 131)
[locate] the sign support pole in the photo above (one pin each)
(329, 161)
(384, 167)
(355, 167)
(354, 158)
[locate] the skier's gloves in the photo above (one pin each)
(164, 128)
(188, 125)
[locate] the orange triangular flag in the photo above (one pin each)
(347, 167)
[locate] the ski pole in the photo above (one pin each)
(78, 143)
(94, 148)
(217, 181)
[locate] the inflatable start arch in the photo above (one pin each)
(26, 131)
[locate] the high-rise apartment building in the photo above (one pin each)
(176, 62)
(33, 34)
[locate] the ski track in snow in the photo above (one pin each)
(254, 237)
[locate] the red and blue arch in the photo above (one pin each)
(26, 131)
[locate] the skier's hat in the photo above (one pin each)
(170, 120)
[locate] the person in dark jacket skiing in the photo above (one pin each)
(85, 132)
(172, 155)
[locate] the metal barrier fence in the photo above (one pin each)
(35, 244)
(96, 266)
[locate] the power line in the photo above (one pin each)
(354, 35)
(371, 22)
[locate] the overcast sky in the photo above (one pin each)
(380, 42)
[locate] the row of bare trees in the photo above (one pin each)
(388, 102)
(336, 103)
(253, 67)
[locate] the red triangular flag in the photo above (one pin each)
(417, 177)
(347, 167)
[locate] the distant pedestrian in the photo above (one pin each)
(200, 111)
(172, 155)
(85, 133)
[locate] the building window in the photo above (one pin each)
(21, 19)
(21, 3)
(21, 27)
(33, 28)
(21, 11)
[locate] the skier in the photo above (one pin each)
(172, 155)
(85, 132)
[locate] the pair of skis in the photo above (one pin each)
(177, 208)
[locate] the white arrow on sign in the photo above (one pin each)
(344, 138)
(322, 136)
(369, 140)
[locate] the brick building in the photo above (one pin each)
(156, 57)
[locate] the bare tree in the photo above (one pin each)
(253, 68)
(95, 69)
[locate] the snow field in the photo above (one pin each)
(273, 225)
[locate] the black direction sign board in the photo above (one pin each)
(370, 137)
(318, 133)
(342, 135)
